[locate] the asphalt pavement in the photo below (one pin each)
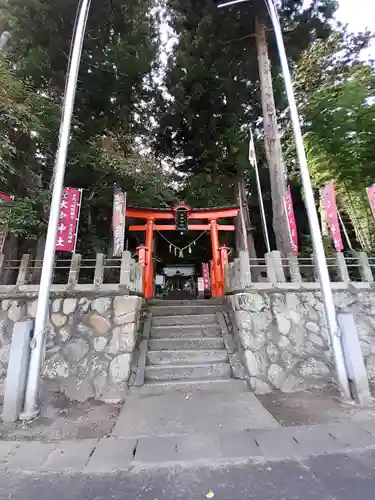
(327, 477)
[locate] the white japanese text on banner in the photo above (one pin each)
(67, 228)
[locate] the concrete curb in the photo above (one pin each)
(110, 455)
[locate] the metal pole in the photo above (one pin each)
(344, 230)
(77, 220)
(232, 2)
(322, 269)
(261, 205)
(244, 231)
(37, 353)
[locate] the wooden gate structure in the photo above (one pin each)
(198, 220)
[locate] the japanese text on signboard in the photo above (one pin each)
(68, 220)
(206, 276)
(182, 215)
(118, 221)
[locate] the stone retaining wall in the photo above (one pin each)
(284, 340)
(89, 344)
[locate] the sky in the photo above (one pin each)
(359, 14)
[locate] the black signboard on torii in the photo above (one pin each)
(181, 213)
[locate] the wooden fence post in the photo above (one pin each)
(99, 269)
(364, 267)
(275, 270)
(2, 264)
(74, 269)
(23, 270)
(342, 267)
(125, 268)
(294, 270)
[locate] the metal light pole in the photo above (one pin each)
(321, 263)
(37, 353)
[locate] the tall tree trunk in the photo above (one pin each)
(272, 143)
(243, 205)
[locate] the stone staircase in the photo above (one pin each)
(186, 349)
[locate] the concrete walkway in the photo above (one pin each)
(114, 454)
(197, 429)
(179, 413)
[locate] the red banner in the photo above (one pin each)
(371, 196)
(6, 197)
(288, 203)
(206, 276)
(67, 228)
(118, 221)
(327, 195)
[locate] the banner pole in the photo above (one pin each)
(260, 196)
(31, 409)
(344, 229)
(262, 211)
(78, 218)
(244, 231)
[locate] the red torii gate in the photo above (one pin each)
(196, 222)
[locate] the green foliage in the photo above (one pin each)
(25, 138)
(337, 93)
(113, 110)
(187, 138)
(213, 81)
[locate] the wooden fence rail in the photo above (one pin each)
(123, 271)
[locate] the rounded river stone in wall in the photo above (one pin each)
(312, 327)
(276, 376)
(99, 343)
(120, 368)
(69, 306)
(75, 350)
(58, 319)
(283, 324)
(100, 324)
(101, 305)
(313, 368)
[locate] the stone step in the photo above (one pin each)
(179, 372)
(194, 302)
(175, 344)
(183, 310)
(185, 331)
(211, 385)
(195, 357)
(184, 319)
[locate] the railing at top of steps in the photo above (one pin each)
(276, 270)
(73, 271)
